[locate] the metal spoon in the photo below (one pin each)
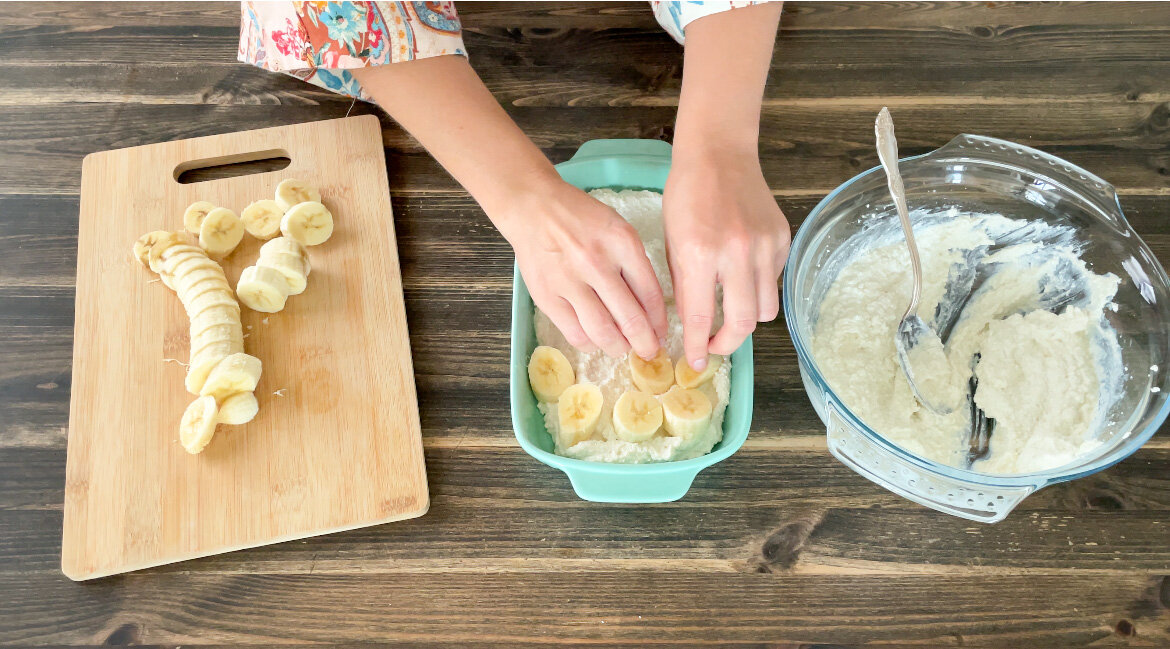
(916, 343)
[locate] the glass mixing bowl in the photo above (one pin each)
(983, 174)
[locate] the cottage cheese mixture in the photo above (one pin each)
(1015, 306)
(643, 209)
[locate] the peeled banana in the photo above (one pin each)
(292, 191)
(637, 416)
(238, 409)
(687, 412)
(549, 373)
(578, 411)
(263, 289)
(687, 377)
(655, 375)
(220, 232)
(310, 223)
(262, 218)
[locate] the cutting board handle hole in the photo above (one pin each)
(230, 166)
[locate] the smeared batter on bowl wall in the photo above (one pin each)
(1016, 307)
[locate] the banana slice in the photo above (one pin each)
(291, 267)
(262, 218)
(578, 411)
(637, 416)
(236, 373)
(310, 223)
(210, 299)
(687, 412)
(220, 232)
(204, 361)
(187, 281)
(655, 375)
(197, 426)
(262, 289)
(688, 378)
(154, 257)
(238, 409)
(147, 241)
(292, 191)
(194, 215)
(549, 373)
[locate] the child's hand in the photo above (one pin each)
(587, 270)
(722, 226)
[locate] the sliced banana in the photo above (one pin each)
(154, 257)
(687, 412)
(238, 409)
(655, 375)
(310, 223)
(687, 377)
(262, 218)
(262, 289)
(549, 373)
(210, 299)
(204, 361)
(186, 282)
(194, 215)
(288, 257)
(144, 243)
(637, 416)
(236, 373)
(292, 191)
(578, 411)
(197, 426)
(220, 232)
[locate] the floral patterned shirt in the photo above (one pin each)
(320, 42)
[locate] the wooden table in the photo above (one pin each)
(778, 546)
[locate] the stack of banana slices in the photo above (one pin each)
(667, 397)
(223, 377)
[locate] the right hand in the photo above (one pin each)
(586, 269)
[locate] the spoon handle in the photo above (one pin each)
(887, 147)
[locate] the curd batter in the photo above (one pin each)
(643, 210)
(1015, 306)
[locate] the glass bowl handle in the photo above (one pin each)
(977, 502)
(1101, 193)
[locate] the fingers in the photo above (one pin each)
(626, 311)
(740, 308)
(639, 275)
(597, 322)
(565, 318)
(695, 291)
(767, 295)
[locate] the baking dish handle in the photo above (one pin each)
(605, 486)
(982, 503)
(625, 148)
(1101, 193)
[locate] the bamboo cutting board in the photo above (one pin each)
(336, 444)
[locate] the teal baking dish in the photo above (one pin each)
(619, 164)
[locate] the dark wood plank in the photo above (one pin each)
(645, 607)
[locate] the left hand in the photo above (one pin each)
(723, 226)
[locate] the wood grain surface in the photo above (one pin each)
(780, 545)
(336, 444)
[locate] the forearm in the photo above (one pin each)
(724, 71)
(444, 105)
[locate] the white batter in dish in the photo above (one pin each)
(643, 209)
(1016, 308)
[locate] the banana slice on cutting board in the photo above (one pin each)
(197, 426)
(238, 409)
(263, 289)
(655, 375)
(220, 232)
(549, 373)
(637, 416)
(292, 191)
(578, 411)
(688, 378)
(236, 373)
(287, 256)
(262, 219)
(194, 214)
(310, 223)
(687, 412)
